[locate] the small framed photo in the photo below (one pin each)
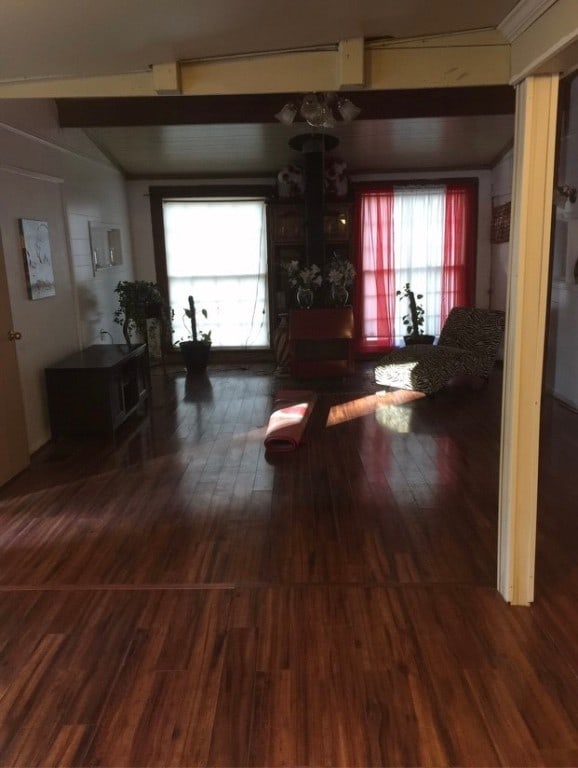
(500, 231)
(35, 241)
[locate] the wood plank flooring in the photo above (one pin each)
(182, 599)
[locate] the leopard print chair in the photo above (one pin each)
(467, 346)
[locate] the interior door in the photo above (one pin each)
(14, 453)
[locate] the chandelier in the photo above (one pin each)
(319, 110)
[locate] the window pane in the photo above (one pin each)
(418, 216)
(216, 252)
(417, 235)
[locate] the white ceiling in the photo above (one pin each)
(249, 149)
(72, 38)
(40, 38)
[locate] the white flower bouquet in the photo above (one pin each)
(340, 272)
(303, 277)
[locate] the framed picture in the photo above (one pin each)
(35, 243)
(105, 245)
(500, 232)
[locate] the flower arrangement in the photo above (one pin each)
(565, 190)
(303, 277)
(340, 272)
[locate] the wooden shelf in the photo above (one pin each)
(96, 390)
(287, 243)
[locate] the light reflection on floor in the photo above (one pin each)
(384, 404)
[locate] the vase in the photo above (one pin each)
(305, 297)
(281, 347)
(339, 295)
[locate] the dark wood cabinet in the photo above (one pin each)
(286, 225)
(321, 342)
(97, 389)
(338, 226)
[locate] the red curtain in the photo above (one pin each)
(376, 281)
(459, 249)
(375, 303)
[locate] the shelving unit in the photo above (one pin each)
(287, 242)
(96, 390)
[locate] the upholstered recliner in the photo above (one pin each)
(467, 346)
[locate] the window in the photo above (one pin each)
(216, 250)
(422, 235)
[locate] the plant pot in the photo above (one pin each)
(195, 355)
(420, 338)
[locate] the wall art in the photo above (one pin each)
(501, 223)
(35, 243)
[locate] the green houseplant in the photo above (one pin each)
(139, 301)
(195, 351)
(413, 320)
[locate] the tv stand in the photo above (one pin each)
(96, 390)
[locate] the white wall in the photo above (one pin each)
(561, 374)
(60, 177)
(502, 176)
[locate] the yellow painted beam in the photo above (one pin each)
(440, 62)
(136, 84)
(167, 78)
(269, 73)
(438, 67)
(534, 156)
(385, 68)
(351, 63)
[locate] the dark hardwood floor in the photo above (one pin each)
(182, 599)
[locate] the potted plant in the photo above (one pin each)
(138, 302)
(195, 351)
(414, 319)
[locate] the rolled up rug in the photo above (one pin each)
(287, 423)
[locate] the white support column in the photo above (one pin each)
(534, 154)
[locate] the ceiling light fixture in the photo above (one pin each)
(317, 109)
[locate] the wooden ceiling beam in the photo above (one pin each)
(261, 108)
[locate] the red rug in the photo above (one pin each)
(287, 423)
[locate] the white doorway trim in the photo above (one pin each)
(534, 156)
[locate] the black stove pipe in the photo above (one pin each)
(313, 147)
